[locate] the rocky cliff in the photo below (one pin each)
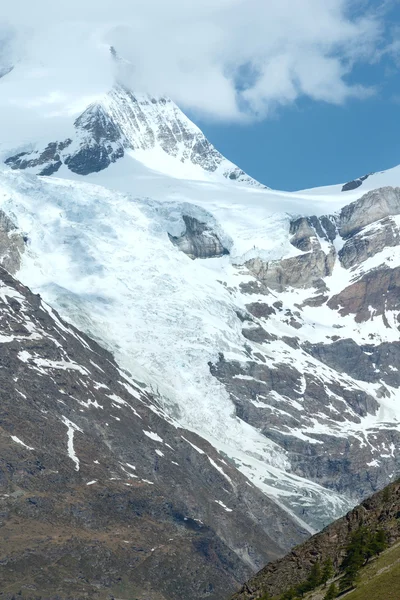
(101, 494)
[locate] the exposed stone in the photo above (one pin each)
(305, 231)
(305, 270)
(124, 121)
(372, 363)
(199, 240)
(49, 157)
(368, 242)
(260, 310)
(12, 244)
(375, 293)
(125, 507)
(373, 206)
(356, 183)
(381, 510)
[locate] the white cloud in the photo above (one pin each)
(195, 52)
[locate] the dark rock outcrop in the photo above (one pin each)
(355, 183)
(369, 241)
(105, 131)
(199, 240)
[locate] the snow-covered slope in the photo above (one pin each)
(118, 126)
(257, 316)
(361, 185)
(208, 335)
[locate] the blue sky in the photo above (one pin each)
(311, 143)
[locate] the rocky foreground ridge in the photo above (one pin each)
(381, 510)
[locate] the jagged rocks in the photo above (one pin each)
(372, 207)
(305, 270)
(199, 240)
(98, 482)
(305, 232)
(381, 510)
(370, 363)
(49, 159)
(124, 122)
(12, 244)
(369, 241)
(377, 292)
(356, 183)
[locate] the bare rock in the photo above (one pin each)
(376, 292)
(199, 240)
(373, 206)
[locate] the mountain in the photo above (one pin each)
(276, 348)
(122, 126)
(376, 579)
(265, 322)
(102, 494)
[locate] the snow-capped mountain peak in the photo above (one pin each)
(122, 125)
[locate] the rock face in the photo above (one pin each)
(356, 183)
(301, 271)
(374, 294)
(369, 241)
(310, 235)
(372, 207)
(306, 394)
(92, 467)
(381, 510)
(199, 240)
(125, 122)
(12, 244)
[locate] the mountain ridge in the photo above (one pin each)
(256, 316)
(121, 124)
(379, 511)
(92, 467)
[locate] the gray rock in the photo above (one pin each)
(373, 294)
(199, 240)
(105, 131)
(12, 244)
(303, 271)
(373, 206)
(356, 183)
(368, 242)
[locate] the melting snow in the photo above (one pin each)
(153, 436)
(71, 430)
(223, 506)
(18, 441)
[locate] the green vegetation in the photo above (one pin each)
(379, 579)
(332, 592)
(364, 544)
(328, 571)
